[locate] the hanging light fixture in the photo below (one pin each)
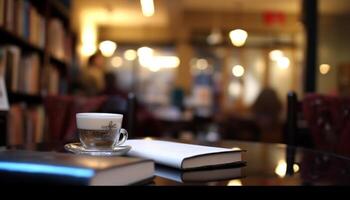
(238, 37)
(276, 54)
(238, 71)
(117, 62)
(130, 55)
(283, 62)
(325, 68)
(107, 48)
(147, 8)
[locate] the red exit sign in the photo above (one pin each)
(274, 18)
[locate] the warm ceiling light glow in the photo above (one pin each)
(235, 89)
(283, 62)
(235, 183)
(202, 64)
(166, 61)
(276, 54)
(88, 39)
(147, 8)
(154, 68)
(145, 56)
(215, 37)
(130, 55)
(324, 69)
(238, 71)
(145, 52)
(117, 62)
(88, 49)
(238, 37)
(156, 63)
(107, 48)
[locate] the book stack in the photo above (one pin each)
(27, 124)
(22, 71)
(22, 19)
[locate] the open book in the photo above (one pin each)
(183, 156)
(69, 169)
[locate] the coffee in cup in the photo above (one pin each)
(101, 131)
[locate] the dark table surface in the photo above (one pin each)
(266, 165)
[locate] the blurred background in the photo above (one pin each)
(189, 69)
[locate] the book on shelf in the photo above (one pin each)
(22, 71)
(2, 12)
(51, 80)
(198, 176)
(15, 132)
(12, 62)
(69, 169)
(22, 19)
(184, 156)
(9, 15)
(26, 124)
(31, 69)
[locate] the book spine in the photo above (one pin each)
(26, 20)
(9, 16)
(2, 13)
(19, 18)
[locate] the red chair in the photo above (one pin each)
(327, 119)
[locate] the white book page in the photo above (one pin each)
(169, 153)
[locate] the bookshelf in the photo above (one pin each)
(36, 53)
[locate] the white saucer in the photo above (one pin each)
(78, 148)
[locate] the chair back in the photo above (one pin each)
(326, 122)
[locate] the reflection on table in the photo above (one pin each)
(266, 165)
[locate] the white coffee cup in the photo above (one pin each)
(101, 130)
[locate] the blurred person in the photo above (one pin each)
(267, 108)
(93, 79)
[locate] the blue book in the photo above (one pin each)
(68, 169)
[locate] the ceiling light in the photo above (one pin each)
(202, 64)
(145, 56)
(130, 55)
(169, 62)
(215, 37)
(117, 62)
(283, 62)
(154, 68)
(324, 69)
(238, 37)
(276, 54)
(238, 71)
(107, 48)
(147, 8)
